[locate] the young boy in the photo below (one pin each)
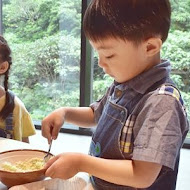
(141, 121)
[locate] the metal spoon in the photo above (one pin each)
(48, 155)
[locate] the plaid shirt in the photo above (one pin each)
(126, 140)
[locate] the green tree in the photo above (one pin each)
(180, 15)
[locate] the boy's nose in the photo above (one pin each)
(101, 63)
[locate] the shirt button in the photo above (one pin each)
(118, 93)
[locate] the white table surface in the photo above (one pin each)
(80, 179)
(9, 144)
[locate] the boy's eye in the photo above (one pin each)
(109, 57)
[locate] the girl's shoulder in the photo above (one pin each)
(18, 103)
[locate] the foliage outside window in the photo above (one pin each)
(44, 36)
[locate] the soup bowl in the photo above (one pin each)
(12, 178)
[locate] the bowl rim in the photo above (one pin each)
(17, 150)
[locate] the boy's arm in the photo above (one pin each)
(81, 116)
(131, 173)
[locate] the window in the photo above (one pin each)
(45, 38)
(54, 65)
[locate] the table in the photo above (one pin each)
(9, 144)
(78, 182)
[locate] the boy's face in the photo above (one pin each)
(121, 59)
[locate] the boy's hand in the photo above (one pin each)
(63, 166)
(81, 116)
(52, 124)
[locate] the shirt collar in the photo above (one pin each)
(145, 80)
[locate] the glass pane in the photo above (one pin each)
(44, 36)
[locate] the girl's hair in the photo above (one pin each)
(133, 20)
(5, 55)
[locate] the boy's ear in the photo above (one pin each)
(153, 46)
(4, 67)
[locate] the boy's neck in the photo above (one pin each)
(154, 61)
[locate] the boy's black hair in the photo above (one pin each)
(133, 20)
(5, 55)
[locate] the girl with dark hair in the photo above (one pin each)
(15, 121)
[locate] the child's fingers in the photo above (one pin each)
(46, 130)
(50, 166)
(50, 162)
(54, 131)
